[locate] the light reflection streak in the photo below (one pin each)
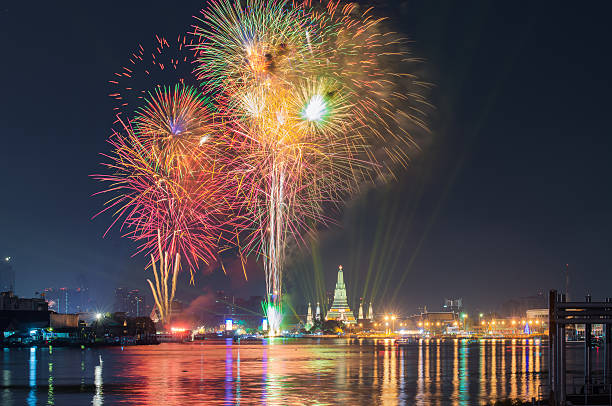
(438, 377)
(427, 372)
(238, 391)
(483, 366)
(32, 377)
(389, 387)
(229, 373)
(50, 396)
(513, 372)
(493, 385)
(455, 380)
(420, 377)
(360, 377)
(402, 381)
(98, 398)
(465, 395)
(264, 371)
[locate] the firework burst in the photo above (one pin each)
(168, 177)
(312, 100)
(312, 95)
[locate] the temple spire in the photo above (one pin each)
(318, 312)
(340, 309)
(361, 310)
(371, 312)
(309, 317)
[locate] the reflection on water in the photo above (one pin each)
(358, 372)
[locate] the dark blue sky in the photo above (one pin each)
(513, 182)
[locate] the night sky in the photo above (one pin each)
(512, 183)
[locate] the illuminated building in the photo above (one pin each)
(453, 305)
(437, 322)
(340, 309)
(371, 313)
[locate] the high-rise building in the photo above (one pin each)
(340, 309)
(122, 301)
(67, 300)
(7, 275)
(131, 302)
(136, 304)
(453, 305)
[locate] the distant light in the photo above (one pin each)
(7, 259)
(178, 329)
(480, 315)
(229, 324)
(204, 139)
(264, 325)
(315, 108)
(32, 332)
(98, 316)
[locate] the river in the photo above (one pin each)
(282, 372)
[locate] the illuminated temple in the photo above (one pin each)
(340, 309)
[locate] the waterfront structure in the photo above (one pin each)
(587, 389)
(20, 314)
(437, 322)
(318, 313)
(361, 310)
(371, 313)
(340, 309)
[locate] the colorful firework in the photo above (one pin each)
(161, 63)
(317, 106)
(161, 294)
(313, 101)
(169, 177)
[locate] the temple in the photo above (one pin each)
(340, 309)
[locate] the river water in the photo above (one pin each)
(282, 372)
